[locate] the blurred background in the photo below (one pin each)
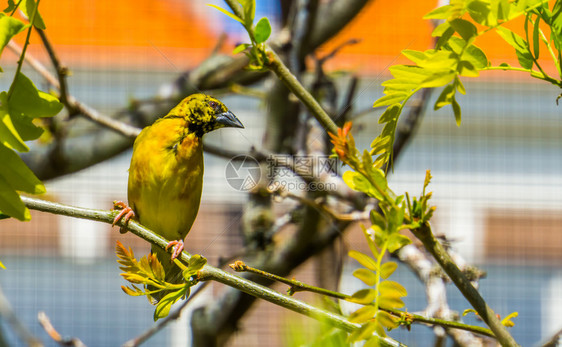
(497, 180)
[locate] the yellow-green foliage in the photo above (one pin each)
(149, 272)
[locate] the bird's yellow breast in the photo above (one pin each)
(166, 177)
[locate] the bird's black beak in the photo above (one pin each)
(228, 119)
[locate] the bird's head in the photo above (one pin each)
(203, 114)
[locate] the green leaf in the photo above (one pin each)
(18, 176)
(438, 61)
(444, 39)
(11, 6)
(391, 99)
(521, 49)
(387, 320)
(240, 48)
(249, 7)
(395, 217)
(165, 304)
(10, 202)
(440, 29)
(364, 332)
(358, 182)
(446, 96)
(504, 9)
(263, 30)
(459, 85)
(536, 42)
(27, 100)
(378, 179)
(390, 301)
(367, 276)
(476, 57)
(390, 114)
(457, 111)
(388, 269)
(465, 68)
(479, 11)
(370, 241)
(412, 73)
(364, 260)
(470, 52)
(415, 56)
(26, 129)
(9, 135)
(380, 144)
(392, 287)
(363, 314)
(9, 27)
(556, 20)
(399, 84)
(442, 12)
(438, 79)
(377, 219)
(196, 263)
(363, 296)
(28, 7)
(373, 341)
(231, 15)
(465, 29)
(397, 241)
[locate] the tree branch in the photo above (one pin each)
(54, 334)
(298, 286)
(9, 316)
(433, 246)
(276, 65)
(206, 274)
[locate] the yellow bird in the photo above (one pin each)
(166, 172)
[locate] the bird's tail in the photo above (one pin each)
(172, 272)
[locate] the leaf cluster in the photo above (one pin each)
(149, 272)
(455, 55)
(419, 209)
(20, 108)
(395, 214)
(258, 33)
(386, 294)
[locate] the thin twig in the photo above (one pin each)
(554, 340)
(298, 286)
(354, 216)
(10, 317)
(71, 102)
(24, 49)
(54, 334)
(62, 71)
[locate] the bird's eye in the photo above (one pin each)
(213, 104)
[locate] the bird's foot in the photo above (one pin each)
(177, 248)
(126, 214)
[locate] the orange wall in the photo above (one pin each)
(175, 34)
